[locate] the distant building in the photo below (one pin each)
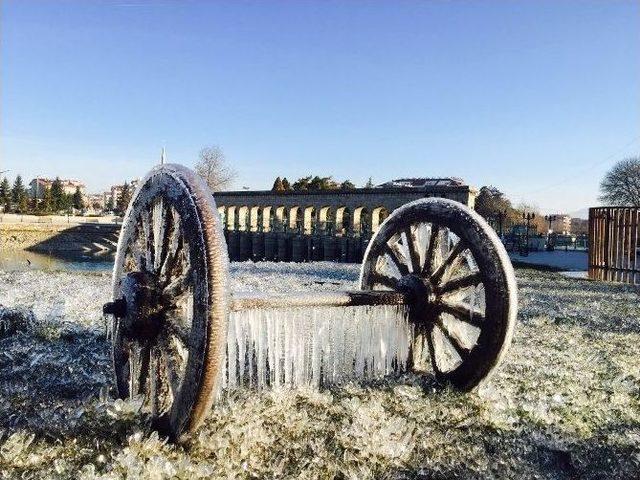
(115, 191)
(95, 201)
(561, 224)
(38, 185)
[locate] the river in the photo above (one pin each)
(22, 260)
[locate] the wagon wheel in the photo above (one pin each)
(461, 285)
(170, 300)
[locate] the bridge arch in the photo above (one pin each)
(378, 216)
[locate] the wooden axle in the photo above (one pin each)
(344, 298)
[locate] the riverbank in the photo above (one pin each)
(53, 237)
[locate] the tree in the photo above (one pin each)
(19, 195)
(123, 199)
(369, 183)
(491, 202)
(78, 202)
(621, 184)
(212, 166)
(5, 194)
(286, 185)
(57, 195)
(277, 185)
(347, 185)
(302, 183)
(110, 206)
(47, 201)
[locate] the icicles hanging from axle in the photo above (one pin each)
(315, 346)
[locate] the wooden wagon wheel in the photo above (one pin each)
(460, 281)
(170, 300)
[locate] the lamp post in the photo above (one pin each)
(550, 219)
(501, 216)
(528, 217)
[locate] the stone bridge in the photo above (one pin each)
(332, 212)
(315, 225)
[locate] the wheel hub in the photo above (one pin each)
(422, 298)
(141, 308)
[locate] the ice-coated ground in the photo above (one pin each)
(565, 404)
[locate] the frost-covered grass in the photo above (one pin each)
(565, 404)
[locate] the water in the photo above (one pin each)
(315, 346)
(21, 260)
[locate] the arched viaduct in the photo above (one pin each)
(315, 225)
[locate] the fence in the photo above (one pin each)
(614, 240)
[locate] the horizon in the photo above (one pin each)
(537, 99)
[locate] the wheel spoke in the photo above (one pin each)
(173, 360)
(439, 272)
(402, 268)
(461, 350)
(413, 251)
(463, 313)
(171, 246)
(148, 237)
(179, 285)
(160, 396)
(432, 352)
(140, 371)
(177, 328)
(160, 232)
(459, 283)
(384, 280)
(432, 250)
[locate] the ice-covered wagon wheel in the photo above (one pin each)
(170, 299)
(459, 283)
(435, 272)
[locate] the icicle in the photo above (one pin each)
(315, 346)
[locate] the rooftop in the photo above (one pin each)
(422, 182)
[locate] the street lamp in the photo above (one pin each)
(528, 217)
(550, 219)
(501, 217)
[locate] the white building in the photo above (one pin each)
(38, 185)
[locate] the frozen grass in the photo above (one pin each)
(565, 404)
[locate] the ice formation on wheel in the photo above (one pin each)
(437, 294)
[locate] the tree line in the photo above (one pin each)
(314, 183)
(15, 198)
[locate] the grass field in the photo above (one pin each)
(565, 404)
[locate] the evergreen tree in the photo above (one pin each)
(46, 204)
(277, 185)
(19, 195)
(67, 202)
(78, 202)
(347, 185)
(110, 206)
(286, 185)
(124, 198)
(5, 194)
(369, 183)
(57, 196)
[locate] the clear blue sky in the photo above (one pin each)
(537, 98)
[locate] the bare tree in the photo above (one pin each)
(621, 184)
(212, 166)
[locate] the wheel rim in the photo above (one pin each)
(461, 284)
(170, 275)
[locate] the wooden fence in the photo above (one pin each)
(614, 244)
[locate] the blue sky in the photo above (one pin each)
(537, 98)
